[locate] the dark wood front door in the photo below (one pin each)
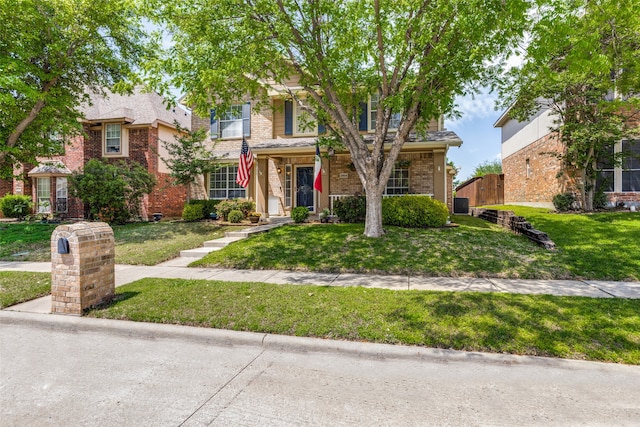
(304, 187)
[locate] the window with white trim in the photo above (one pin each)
(113, 138)
(223, 185)
(605, 181)
(631, 165)
(398, 182)
(43, 194)
(62, 195)
(303, 122)
(234, 122)
(394, 122)
(231, 122)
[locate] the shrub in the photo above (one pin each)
(15, 206)
(245, 206)
(414, 212)
(235, 216)
(192, 212)
(300, 214)
(208, 206)
(351, 209)
(563, 202)
(600, 200)
(113, 192)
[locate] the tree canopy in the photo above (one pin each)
(416, 55)
(487, 167)
(52, 53)
(582, 64)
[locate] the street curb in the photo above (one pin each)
(228, 338)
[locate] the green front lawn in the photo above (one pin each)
(599, 246)
(20, 286)
(137, 243)
(567, 327)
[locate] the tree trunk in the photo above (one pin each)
(373, 219)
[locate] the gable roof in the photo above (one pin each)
(140, 108)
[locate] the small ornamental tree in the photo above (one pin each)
(487, 167)
(112, 192)
(189, 158)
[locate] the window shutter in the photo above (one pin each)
(246, 119)
(214, 125)
(363, 124)
(321, 129)
(288, 117)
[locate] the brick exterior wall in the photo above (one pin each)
(537, 183)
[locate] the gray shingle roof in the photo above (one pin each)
(140, 108)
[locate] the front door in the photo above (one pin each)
(304, 187)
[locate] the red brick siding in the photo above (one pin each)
(542, 182)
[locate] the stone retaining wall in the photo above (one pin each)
(515, 223)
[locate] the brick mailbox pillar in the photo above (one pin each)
(82, 267)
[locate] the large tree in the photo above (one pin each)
(416, 54)
(52, 53)
(582, 63)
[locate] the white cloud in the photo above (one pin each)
(479, 106)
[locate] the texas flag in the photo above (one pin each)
(317, 181)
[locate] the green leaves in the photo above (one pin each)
(51, 54)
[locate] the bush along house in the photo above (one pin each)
(115, 128)
(282, 139)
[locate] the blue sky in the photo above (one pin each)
(480, 140)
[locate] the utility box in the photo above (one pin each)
(82, 267)
(461, 205)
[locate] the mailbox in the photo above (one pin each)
(82, 266)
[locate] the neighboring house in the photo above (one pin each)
(531, 174)
(483, 190)
(283, 140)
(116, 127)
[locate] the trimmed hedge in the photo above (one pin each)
(351, 209)
(208, 206)
(299, 214)
(192, 213)
(414, 212)
(235, 216)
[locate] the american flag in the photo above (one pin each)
(245, 164)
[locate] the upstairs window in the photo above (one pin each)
(394, 122)
(303, 122)
(234, 122)
(113, 138)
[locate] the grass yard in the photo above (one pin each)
(19, 286)
(599, 246)
(567, 327)
(137, 243)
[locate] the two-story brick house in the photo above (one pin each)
(283, 140)
(531, 173)
(116, 127)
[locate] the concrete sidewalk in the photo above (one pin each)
(130, 273)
